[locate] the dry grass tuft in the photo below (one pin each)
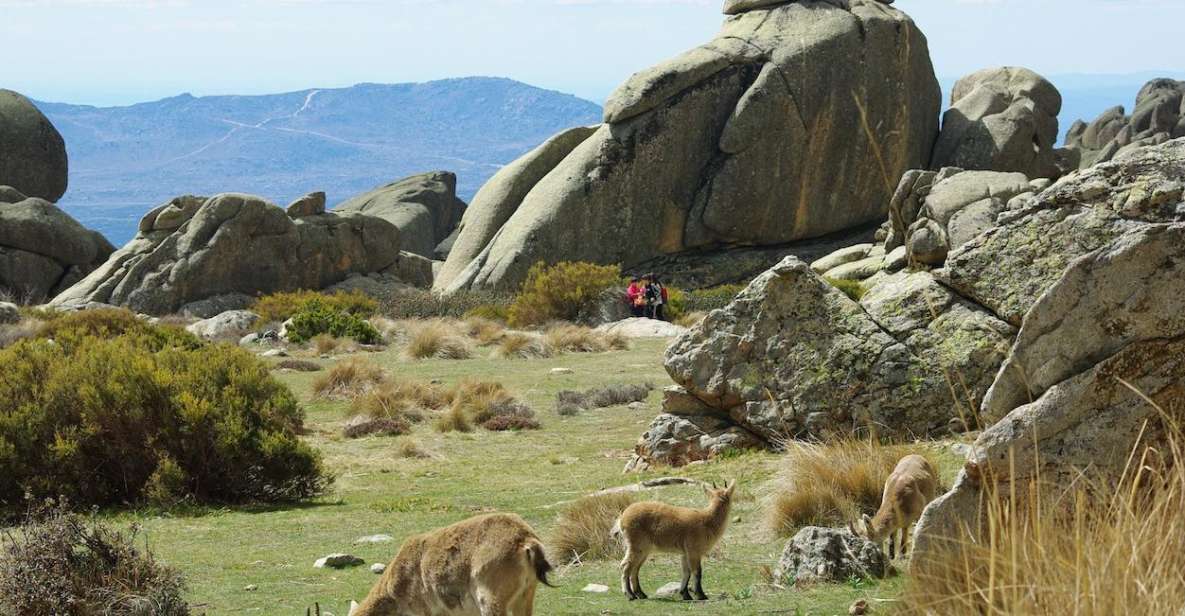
(691, 319)
(485, 331)
(348, 379)
(12, 333)
(410, 449)
(436, 339)
(569, 338)
(582, 531)
(453, 420)
(406, 399)
(830, 484)
(366, 426)
(298, 365)
(523, 346)
(325, 344)
(570, 402)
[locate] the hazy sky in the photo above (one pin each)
(122, 51)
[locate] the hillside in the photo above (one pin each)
(343, 141)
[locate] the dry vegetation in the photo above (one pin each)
(348, 379)
(570, 402)
(519, 345)
(436, 339)
(298, 365)
(582, 531)
(569, 338)
(830, 484)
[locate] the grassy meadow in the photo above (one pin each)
(260, 560)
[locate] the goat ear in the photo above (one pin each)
(731, 485)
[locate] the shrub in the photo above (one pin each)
(676, 305)
(831, 484)
(582, 530)
(566, 291)
(691, 319)
(436, 339)
(453, 420)
(317, 319)
(523, 346)
(13, 332)
(713, 298)
(73, 328)
(348, 379)
(387, 426)
(505, 423)
(484, 331)
(279, 307)
(404, 399)
(325, 344)
(481, 403)
(851, 288)
(101, 420)
(410, 449)
(57, 564)
(569, 402)
(298, 365)
(425, 304)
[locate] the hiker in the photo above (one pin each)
(656, 297)
(635, 296)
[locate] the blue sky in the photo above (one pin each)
(123, 51)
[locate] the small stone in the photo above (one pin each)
(9, 313)
(249, 339)
(668, 591)
(559, 371)
(736, 519)
(636, 406)
(598, 588)
(961, 449)
(375, 539)
(378, 568)
(338, 561)
(274, 353)
(250, 588)
(859, 608)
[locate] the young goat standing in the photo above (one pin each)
(652, 526)
(489, 565)
(908, 490)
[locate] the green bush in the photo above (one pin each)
(144, 416)
(73, 328)
(279, 307)
(317, 319)
(707, 300)
(567, 291)
(425, 304)
(60, 564)
(851, 288)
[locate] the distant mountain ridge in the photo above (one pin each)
(344, 141)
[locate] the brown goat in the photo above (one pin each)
(658, 527)
(910, 487)
(488, 565)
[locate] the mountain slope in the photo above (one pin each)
(344, 141)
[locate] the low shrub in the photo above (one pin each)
(566, 291)
(453, 420)
(582, 531)
(279, 307)
(436, 339)
(852, 288)
(691, 319)
(570, 402)
(712, 298)
(403, 399)
(298, 365)
(386, 426)
(410, 449)
(72, 328)
(506, 423)
(831, 484)
(675, 306)
(60, 564)
(486, 403)
(348, 379)
(321, 320)
(110, 421)
(11, 333)
(485, 331)
(425, 304)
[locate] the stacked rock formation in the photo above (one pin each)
(206, 255)
(1158, 117)
(424, 208)
(794, 122)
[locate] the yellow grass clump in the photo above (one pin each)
(348, 379)
(518, 345)
(582, 531)
(436, 339)
(569, 338)
(831, 484)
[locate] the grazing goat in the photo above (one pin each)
(908, 490)
(651, 526)
(489, 565)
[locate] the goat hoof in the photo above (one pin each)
(642, 595)
(701, 597)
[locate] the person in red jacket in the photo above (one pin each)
(635, 296)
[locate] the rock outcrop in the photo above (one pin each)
(1159, 116)
(32, 152)
(817, 555)
(233, 247)
(424, 208)
(1001, 119)
(794, 122)
(42, 249)
(1102, 337)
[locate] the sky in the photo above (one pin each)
(109, 52)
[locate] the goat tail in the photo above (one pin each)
(615, 532)
(537, 558)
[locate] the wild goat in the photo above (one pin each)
(488, 565)
(651, 526)
(908, 490)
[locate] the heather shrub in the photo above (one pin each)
(279, 307)
(298, 365)
(492, 312)
(570, 402)
(129, 419)
(712, 298)
(71, 329)
(61, 564)
(425, 304)
(318, 319)
(566, 291)
(852, 288)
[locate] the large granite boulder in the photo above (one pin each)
(32, 152)
(42, 249)
(1007, 267)
(197, 249)
(424, 208)
(1159, 116)
(1001, 119)
(794, 122)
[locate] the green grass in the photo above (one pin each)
(532, 473)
